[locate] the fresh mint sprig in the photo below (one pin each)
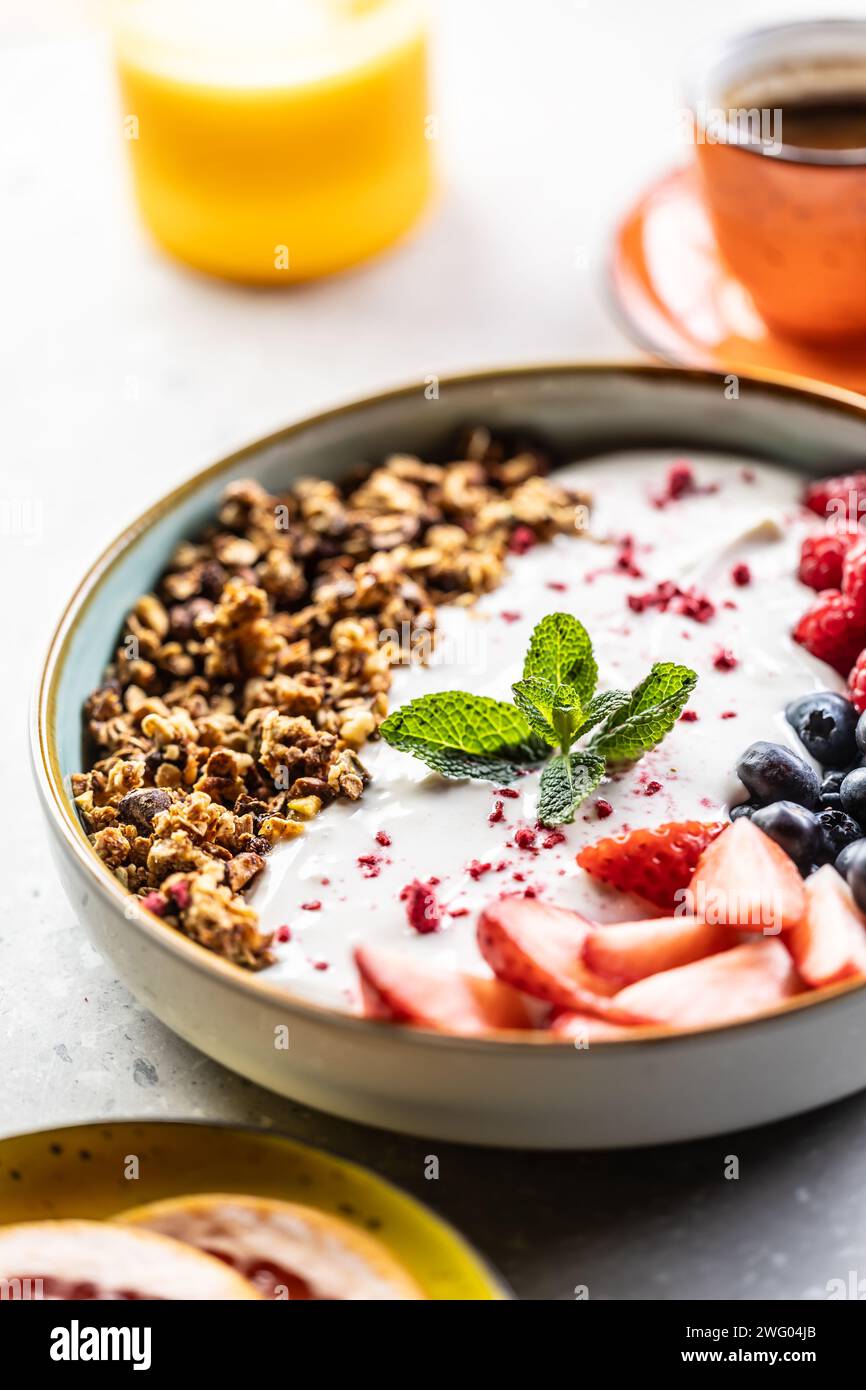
(555, 704)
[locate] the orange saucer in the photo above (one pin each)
(679, 301)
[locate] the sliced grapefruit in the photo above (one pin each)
(95, 1260)
(288, 1251)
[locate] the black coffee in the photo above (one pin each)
(825, 125)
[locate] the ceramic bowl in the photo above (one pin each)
(518, 1091)
(85, 1171)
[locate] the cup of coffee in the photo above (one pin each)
(779, 125)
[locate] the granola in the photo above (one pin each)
(243, 689)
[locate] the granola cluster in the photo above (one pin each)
(243, 688)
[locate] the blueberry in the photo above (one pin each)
(844, 859)
(825, 723)
(832, 781)
(743, 808)
(793, 828)
(837, 830)
(860, 733)
(830, 786)
(773, 773)
(855, 872)
(853, 794)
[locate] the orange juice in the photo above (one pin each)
(275, 140)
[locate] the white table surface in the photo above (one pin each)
(122, 373)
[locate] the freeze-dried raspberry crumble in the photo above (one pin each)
(423, 912)
(725, 660)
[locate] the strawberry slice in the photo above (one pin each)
(397, 988)
(627, 951)
(829, 944)
(732, 985)
(538, 948)
(655, 863)
(744, 879)
(573, 1027)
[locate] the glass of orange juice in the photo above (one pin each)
(275, 140)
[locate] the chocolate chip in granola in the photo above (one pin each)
(138, 808)
(213, 579)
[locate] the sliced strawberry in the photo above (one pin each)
(583, 1028)
(627, 951)
(744, 879)
(829, 944)
(398, 988)
(734, 984)
(655, 863)
(537, 948)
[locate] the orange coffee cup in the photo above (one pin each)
(790, 221)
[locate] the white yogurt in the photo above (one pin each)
(437, 827)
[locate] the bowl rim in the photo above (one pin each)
(497, 1282)
(59, 809)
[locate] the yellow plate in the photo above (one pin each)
(90, 1171)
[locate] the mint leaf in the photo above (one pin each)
(553, 711)
(461, 735)
(560, 650)
(651, 712)
(565, 782)
(600, 707)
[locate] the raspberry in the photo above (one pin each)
(842, 497)
(741, 575)
(831, 631)
(821, 560)
(857, 683)
(655, 863)
(854, 576)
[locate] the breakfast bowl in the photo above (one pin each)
(330, 896)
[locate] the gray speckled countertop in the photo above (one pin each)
(121, 374)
